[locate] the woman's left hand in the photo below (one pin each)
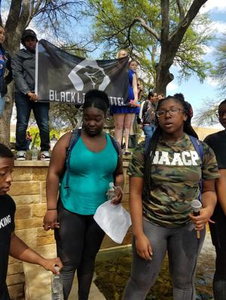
(118, 195)
(201, 220)
(133, 103)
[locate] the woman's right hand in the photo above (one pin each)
(50, 220)
(143, 247)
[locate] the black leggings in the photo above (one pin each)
(78, 241)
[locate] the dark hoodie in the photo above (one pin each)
(23, 66)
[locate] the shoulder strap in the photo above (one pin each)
(76, 133)
(199, 149)
(114, 143)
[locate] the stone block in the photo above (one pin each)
(22, 174)
(23, 212)
(48, 251)
(45, 237)
(43, 188)
(28, 223)
(40, 174)
(38, 210)
(25, 188)
(45, 240)
(15, 279)
(16, 291)
(27, 199)
(15, 268)
(29, 236)
(37, 282)
(13, 260)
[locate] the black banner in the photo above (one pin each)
(62, 77)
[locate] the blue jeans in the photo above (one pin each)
(148, 131)
(183, 249)
(41, 113)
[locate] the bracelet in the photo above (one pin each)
(120, 188)
(51, 208)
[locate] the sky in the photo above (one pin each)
(194, 91)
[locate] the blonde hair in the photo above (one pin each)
(118, 53)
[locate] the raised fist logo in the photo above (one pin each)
(89, 74)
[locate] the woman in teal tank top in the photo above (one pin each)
(94, 163)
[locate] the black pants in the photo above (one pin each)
(78, 241)
(218, 233)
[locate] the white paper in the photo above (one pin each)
(114, 220)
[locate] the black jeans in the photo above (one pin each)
(41, 113)
(78, 241)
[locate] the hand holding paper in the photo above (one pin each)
(114, 220)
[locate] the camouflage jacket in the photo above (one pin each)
(175, 174)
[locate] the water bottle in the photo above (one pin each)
(34, 153)
(57, 286)
(111, 191)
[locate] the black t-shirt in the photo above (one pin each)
(7, 211)
(217, 142)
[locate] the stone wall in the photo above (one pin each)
(28, 192)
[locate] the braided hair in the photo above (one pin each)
(150, 153)
(97, 99)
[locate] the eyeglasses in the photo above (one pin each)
(172, 111)
(221, 114)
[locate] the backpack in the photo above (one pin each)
(76, 133)
(199, 149)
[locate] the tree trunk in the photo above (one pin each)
(170, 42)
(6, 118)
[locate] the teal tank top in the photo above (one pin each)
(89, 176)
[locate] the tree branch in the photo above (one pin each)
(180, 9)
(146, 27)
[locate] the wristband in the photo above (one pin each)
(120, 188)
(51, 208)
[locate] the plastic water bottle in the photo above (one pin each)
(57, 287)
(111, 191)
(34, 153)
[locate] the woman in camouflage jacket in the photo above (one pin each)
(164, 179)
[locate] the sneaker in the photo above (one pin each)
(21, 155)
(44, 155)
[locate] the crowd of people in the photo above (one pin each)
(168, 170)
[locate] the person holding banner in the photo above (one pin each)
(164, 179)
(217, 141)
(93, 162)
(124, 115)
(23, 66)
